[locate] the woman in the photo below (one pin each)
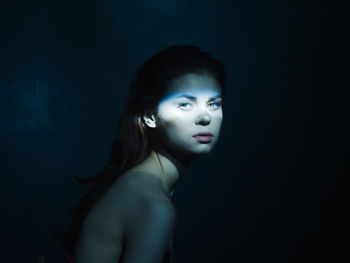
(172, 116)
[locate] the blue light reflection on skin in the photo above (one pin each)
(191, 96)
(200, 87)
(191, 106)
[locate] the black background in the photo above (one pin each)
(267, 193)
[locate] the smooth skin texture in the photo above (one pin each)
(136, 217)
(193, 105)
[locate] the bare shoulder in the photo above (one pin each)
(149, 221)
(143, 201)
(136, 209)
(144, 190)
(130, 193)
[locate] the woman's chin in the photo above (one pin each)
(203, 150)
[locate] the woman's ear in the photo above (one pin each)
(149, 120)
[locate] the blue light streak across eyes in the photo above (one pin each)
(187, 105)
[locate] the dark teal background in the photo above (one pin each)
(265, 194)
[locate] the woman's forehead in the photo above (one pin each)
(195, 85)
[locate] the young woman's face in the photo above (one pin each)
(193, 105)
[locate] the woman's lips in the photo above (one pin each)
(203, 138)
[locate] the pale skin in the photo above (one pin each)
(136, 216)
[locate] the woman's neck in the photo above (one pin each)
(165, 167)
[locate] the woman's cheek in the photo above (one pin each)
(174, 126)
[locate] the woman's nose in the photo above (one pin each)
(203, 118)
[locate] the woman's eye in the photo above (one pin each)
(215, 105)
(184, 105)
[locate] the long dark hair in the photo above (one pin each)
(132, 144)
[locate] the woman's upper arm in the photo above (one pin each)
(148, 232)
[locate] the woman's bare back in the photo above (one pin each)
(112, 222)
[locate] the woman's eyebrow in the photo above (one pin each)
(192, 98)
(186, 96)
(215, 97)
